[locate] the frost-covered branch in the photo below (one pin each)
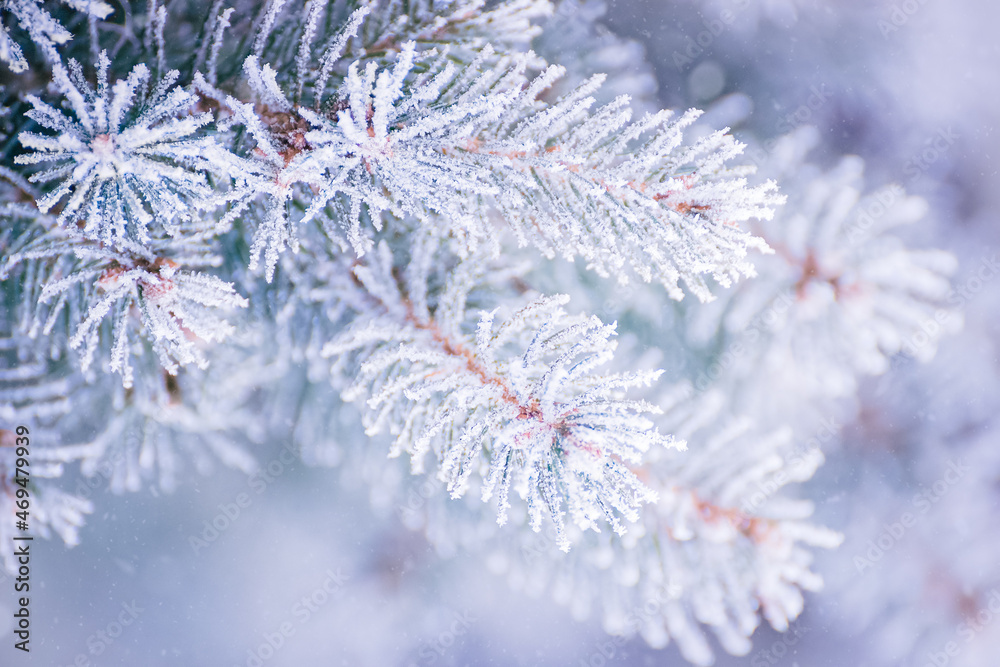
(96, 288)
(42, 28)
(467, 27)
(519, 407)
(629, 198)
(130, 158)
(407, 152)
(624, 196)
(722, 546)
(843, 294)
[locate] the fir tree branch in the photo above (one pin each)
(94, 287)
(626, 197)
(540, 423)
(129, 158)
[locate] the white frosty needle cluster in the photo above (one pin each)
(465, 24)
(44, 30)
(272, 172)
(738, 544)
(278, 161)
(860, 295)
(627, 197)
(518, 405)
(129, 157)
(179, 310)
(714, 550)
(631, 198)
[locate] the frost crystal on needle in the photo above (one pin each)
(130, 154)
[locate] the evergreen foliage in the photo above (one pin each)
(403, 203)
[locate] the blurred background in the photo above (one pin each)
(307, 566)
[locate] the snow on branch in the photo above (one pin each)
(859, 295)
(723, 545)
(43, 30)
(466, 26)
(272, 174)
(628, 197)
(129, 158)
(516, 404)
(424, 137)
(87, 284)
